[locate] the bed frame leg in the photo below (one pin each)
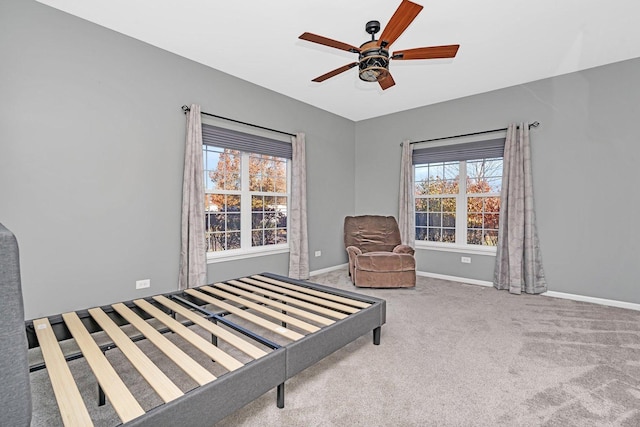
(280, 395)
(376, 335)
(101, 397)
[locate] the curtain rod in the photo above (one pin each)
(534, 125)
(185, 109)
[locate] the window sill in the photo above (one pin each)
(462, 249)
(222, 256)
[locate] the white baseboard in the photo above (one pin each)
(454, 278)
(552, 294)
(328, 269)
(594, 300)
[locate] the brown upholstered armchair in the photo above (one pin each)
(377, 259)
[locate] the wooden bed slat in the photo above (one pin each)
(125, 405)
(286, 307)
(262, 309)
(192, 368)
(234, 340)
(273, 327)
(325, 295)
(304, 296)
(194, 339)
(304, 304)
(72, 408)
(162, 385)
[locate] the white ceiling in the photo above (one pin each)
(503, 43)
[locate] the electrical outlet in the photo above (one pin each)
(465, 259)
(141, 284)
(318, 253)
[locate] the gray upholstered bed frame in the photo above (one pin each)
(223, 304)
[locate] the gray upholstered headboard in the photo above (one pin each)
(15, 392)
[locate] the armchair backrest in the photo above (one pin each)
(371, 233)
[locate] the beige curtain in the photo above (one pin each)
(193, 261)
(406, 216)
(298, 239)
(518, 261)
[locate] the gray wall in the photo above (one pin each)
(91, 152)
(91, 148)
(585, 156)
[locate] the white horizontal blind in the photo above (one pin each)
(235, 140)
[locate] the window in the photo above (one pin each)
(246, 197)
(457, 202)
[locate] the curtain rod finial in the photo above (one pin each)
(185, 109)
(535, 124)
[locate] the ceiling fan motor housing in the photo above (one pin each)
(373, 62)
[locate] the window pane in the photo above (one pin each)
(233, 240)
(269, 237)
(215, 242)
(421, 219)
(491, 221)
(268, 220)
(491, 238)
(421, 233)
(475, 204)
(449, 220)
(484, 176)
(492, 204)
(269, 203)
(222, 169)
(451, 171)
(222, 221)
(421, 173)
(256, 220)
(474, 237)
(233, 222)
(435, 220)
(495, 184)
(483, 219)
(448, 204)
(474, 221)
(421, 205)
(448, 235)
(435, 205)
(257, 238)
(267, 173)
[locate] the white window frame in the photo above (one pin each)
(246, 250)
(461, 221)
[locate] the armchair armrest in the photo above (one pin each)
(353, 250)
(403, 249)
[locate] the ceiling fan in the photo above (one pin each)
(373, 60)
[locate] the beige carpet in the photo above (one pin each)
(464, 355)
(451, 355)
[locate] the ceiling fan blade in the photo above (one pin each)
(334, 72)
(403, 16)
(328, 42)
(432, 52)
(387, 82)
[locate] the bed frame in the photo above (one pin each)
(259, 331)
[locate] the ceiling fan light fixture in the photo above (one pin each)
(374, 64)
(373, 61)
